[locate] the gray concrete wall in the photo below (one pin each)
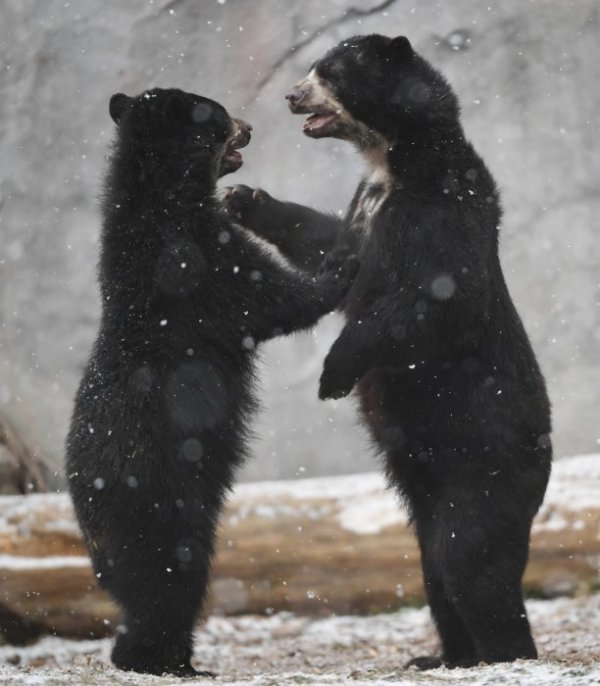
(527, 72)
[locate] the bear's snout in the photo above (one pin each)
(241, 133)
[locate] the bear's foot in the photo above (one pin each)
(188, 672)
(145, 657)
(160, 667)
(425, 662)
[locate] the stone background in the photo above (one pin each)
(528, 75)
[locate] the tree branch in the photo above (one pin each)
(350, 13)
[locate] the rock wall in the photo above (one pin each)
(526, 72)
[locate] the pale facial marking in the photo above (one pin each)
(372, 146)
(319, 94)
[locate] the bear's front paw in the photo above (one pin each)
(335, 382)
(246, 205)
(339, 266)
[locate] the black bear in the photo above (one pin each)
(448, 383)
(161, 415)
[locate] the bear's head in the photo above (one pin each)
(370, 88)
(170, 124)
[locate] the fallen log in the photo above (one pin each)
(314, 546)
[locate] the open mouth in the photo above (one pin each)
(318, 121)
(313, 96)
(321, 122)
(232, 159)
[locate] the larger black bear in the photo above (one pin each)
(447, 379)
(160, 418)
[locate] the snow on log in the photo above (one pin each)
(314, 546)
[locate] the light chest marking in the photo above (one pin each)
(372, 197)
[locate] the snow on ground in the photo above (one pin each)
(285, 650)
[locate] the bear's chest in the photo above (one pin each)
(370, 201)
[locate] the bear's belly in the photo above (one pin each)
(430, 410)
(371, 395)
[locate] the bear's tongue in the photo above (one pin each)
(234, 155)
(316, 121)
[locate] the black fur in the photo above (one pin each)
(301, 233)
(161, 415)
(448, 383)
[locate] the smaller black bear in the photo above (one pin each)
(449, 385)
(161, 415)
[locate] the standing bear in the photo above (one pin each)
(448, 383)
(161, 415)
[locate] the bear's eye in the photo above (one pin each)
(323, 69)
(332, 70)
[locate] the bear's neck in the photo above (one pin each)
(163, 186)
(421, 159)
(145, 207)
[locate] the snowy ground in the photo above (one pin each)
(285, 650)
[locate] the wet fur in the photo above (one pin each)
(447, 380)
(161, 417)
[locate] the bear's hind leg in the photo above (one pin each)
(152, 652)
(483, 565)
(156, 633)
(497, 617)
(458, 648)
(159, 576)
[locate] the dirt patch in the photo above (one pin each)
(285, 650)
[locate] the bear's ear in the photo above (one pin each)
(176, 110)
(401, 48)
(117, 106)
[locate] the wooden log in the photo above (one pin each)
(316, 546)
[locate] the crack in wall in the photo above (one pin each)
(348, 14)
